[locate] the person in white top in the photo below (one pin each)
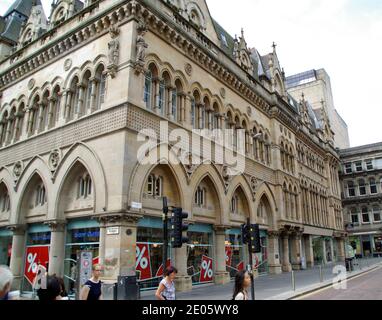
(242, 283)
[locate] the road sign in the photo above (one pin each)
(34, 257)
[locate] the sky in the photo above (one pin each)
(342, 36)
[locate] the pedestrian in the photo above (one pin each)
(92, 290)
(52, 291)
(64, 295)
(6, 278)
(242, 283)
(166, 289)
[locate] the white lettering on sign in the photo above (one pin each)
(136, 205)
(112, 231)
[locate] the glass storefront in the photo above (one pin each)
(318, 250)
(328, 250)
(378, 245)
(36, 253)
(262, 258)
(80, 235)
(5, 247)
(150, 253)
(200, 254)
(355, 242)
(234, 251)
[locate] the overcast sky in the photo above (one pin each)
(342, 36)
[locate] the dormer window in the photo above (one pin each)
(224, 40)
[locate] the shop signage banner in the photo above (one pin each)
(228, 255)
(143, 263)
(206, 272)
(35, 256)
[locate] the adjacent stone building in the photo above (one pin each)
(75, 93)
(361, 181)
(316, 86)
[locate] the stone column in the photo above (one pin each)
(57, 248)
(68, 105)
(93, 97)
(50, 123)
(273, 253)
(102, 239)
(296, 251)
(324, 260)
(341, 250)
(221, 275)
(120, 247)
(309, 255)
(17, 254)
(183, 281)
(17, 129)
(80, 102)
(286, 267)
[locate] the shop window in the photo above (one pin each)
(40, 196)
(377, 214)
(365, 216)
(85, 187)
(362, 188)
(373, 186)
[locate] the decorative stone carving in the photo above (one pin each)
(18, 169)
(249, 111)
(54, 159)
(31, 84)
(222, 93)
(56, 225)
(254, 185)
(227, 177)
(188, 69)
(68, 64)
(189, 164)
(141, 47)
(113, 51)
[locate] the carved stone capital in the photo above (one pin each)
(18, 229)
(273, 233)
(221, 229)
(119, 219)
(56, 225)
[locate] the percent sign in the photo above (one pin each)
(206, 266)
(142, 262)
(32, 263)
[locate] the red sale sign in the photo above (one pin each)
(228, 255)
(35, 256)
(160, 270)
(206, 272)
(143, 265)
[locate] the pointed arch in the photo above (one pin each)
(264, 190)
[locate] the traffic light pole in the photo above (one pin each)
(165, 233)
(251, 262)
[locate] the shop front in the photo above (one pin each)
(36, 253)
(200, 254)
(5, 246)
(378, 246)
(149, 252)
(80, 235)
(318, 250)
(235, 252)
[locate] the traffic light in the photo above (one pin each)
(178, 227)
(255, 238)
(251, 236)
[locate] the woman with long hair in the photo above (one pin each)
(242, 283)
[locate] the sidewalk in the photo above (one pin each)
(274, 287)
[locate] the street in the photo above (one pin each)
(365, 287)
(267, 287)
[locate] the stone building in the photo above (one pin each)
(74, 99)
(361, 183)
(316, 86)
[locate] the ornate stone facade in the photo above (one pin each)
(124, 68)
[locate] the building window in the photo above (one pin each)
(373, 186)
(354, 217)
(5, 202)
(200, 197)
(365, 216)
(234, 205)
(40, 196)
(376, 214)
(84, 187)
(155, 186)
(148, 89)
(358, 166)
(348, 168)
(161, 102)
(193, 108)
(369, 165)
(362, 188)
(351, 189)
(102, 90)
